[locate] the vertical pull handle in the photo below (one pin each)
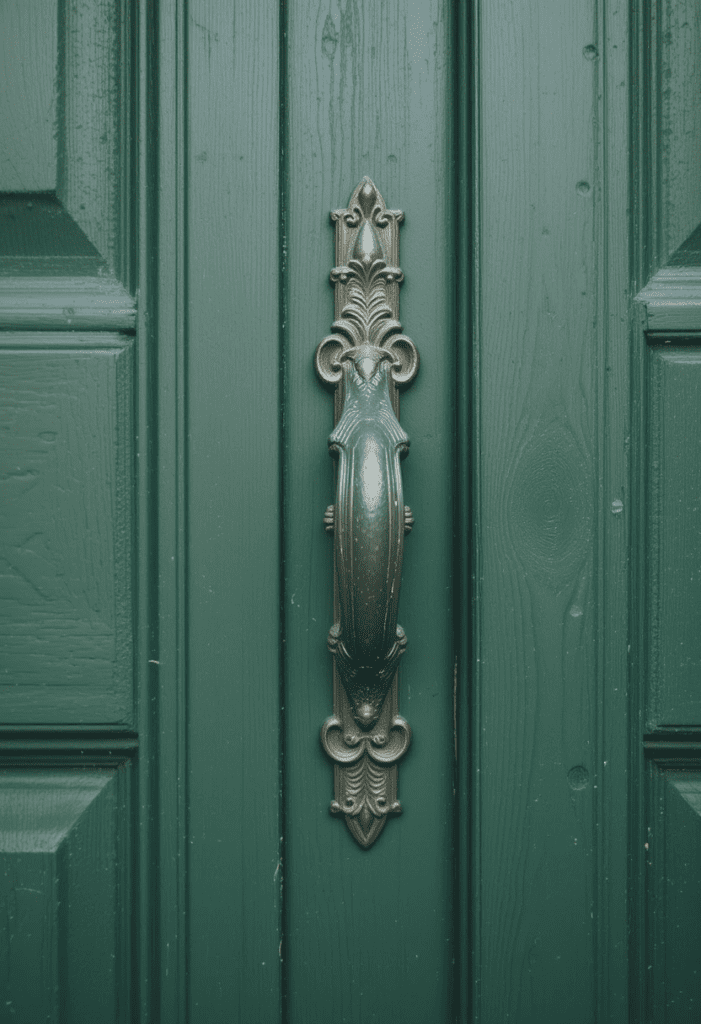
(366, 359)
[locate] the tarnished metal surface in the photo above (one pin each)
(365, 359)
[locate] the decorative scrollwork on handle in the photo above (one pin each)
(366, 359)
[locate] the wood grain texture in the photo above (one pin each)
(66, 527)
(233, 511)
(28, 98)
(65, 946)
(673, 549)
(369, 933)
(550, 463)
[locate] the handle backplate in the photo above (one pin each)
(366, 359)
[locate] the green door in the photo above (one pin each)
(166, 848)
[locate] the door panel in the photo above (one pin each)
(671, 79)
(67, 646)
(68, 121)
(70, 551)
(672, 843)
(66, 948)
(665, 712)
(673, 581)
(670, 712)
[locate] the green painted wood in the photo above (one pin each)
(671, 300)
(550, 757)
(665, 41)
(71, 552)
(673, 887)
(663, 827)
(66, 525)
(689, 252)
(38, 237)
(522, 880)
(65, 303)
(66, 121)
(154, 882)
(65, 946)
(678, 79)
(162, 475)
(369, 933)
(233, 526)
(28, 99)
(466, 505)
(92, 122)
(616, 236)
(673, 509)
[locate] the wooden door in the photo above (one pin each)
(167, 175)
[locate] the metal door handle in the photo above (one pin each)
(365, 360)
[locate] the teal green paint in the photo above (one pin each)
(673, 578)
(67, 542)
(550, 628)
(466, 855)
(538, 470)
(370, 932)
(162, 465)
(64, 868)
(540, 153)
(677, 78)
(28, 106)
(673, 819)
(232, 530)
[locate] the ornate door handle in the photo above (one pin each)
(366, 359)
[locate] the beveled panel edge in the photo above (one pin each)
(117, 775)
(65, 304)
(671, 751)
(673, 338)
(67, 752)
(671, 300)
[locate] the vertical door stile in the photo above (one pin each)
(551, 351)
(369, 94)
(164, 318)
(231, 447)
(466, 509)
